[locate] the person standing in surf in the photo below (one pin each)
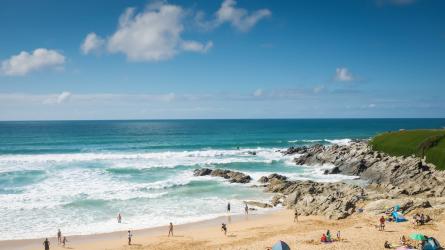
(119, 218)
(228, 207)
(246, 208)
(46, 244)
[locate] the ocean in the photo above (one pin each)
(78, 175)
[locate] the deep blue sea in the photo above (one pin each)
(78, 175)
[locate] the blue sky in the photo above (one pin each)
(128, 59)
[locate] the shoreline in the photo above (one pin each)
(32, 243)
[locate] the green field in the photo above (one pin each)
(429, 143)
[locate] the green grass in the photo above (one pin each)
(429, 143)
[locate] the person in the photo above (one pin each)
(170, 230)
(387, 245)
(59, 237)
(224, 228)
(129, 237)
(119, 218)
(296, 216)
(323, 238)
(64, 241)
(228, 207)
(46, 244)
(338, 236)
(382, 223)
(328, 236)
(422, 219)
(246, 208)
(403, 240)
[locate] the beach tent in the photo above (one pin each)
(431, 244)
(280, 245)
(398, 217)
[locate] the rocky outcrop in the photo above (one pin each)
(394, 175)
(259, 204)
(232, 176)
(334, 200)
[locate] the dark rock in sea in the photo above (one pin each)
(232, 176)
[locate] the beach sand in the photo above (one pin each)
(250, 232)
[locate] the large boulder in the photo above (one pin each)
(232, 176)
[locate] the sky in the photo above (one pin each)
(131, 59)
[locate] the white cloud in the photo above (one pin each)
(152, 35)
(258, 92)
(372, 105)
(24, 62)
(58, 98)
(196, 46)
(238, 17)
(92, 43)
(343, 75)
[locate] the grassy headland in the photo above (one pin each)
(429, 143)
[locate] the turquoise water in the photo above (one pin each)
(78, 175)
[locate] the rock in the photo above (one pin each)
(277, 199)
(406, 205)
(277, 177)
(334, 200)
(202, 171)
(259, 204)
(397, 176)
(232, 176)
(263, 179)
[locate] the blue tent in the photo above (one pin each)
(280, 245)
(398, 217)
(431, 244)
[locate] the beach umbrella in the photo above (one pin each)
(417, 236)
(280, 245)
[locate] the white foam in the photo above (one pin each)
(342, 142)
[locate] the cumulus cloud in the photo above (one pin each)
(92, 42)
(238, 17)
(24, 62)
(343, 75)
(318, 89)
(152, 35)
(372, 105)
(58, 98)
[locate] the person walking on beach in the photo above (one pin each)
(224, 228)
(170, 230)
(228, 207)
(64, 241)
(119, 218)
(59, 237)
(129, 237)
(246, 208)
(296, 216)
(382, 224)
(46, 244)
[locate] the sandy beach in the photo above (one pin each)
(250, 232)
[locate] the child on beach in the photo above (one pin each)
(129, 237)
(382, 224)
(296, 216)
(64, 241)
(338, 236)
(170, 230)
(224, 228)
